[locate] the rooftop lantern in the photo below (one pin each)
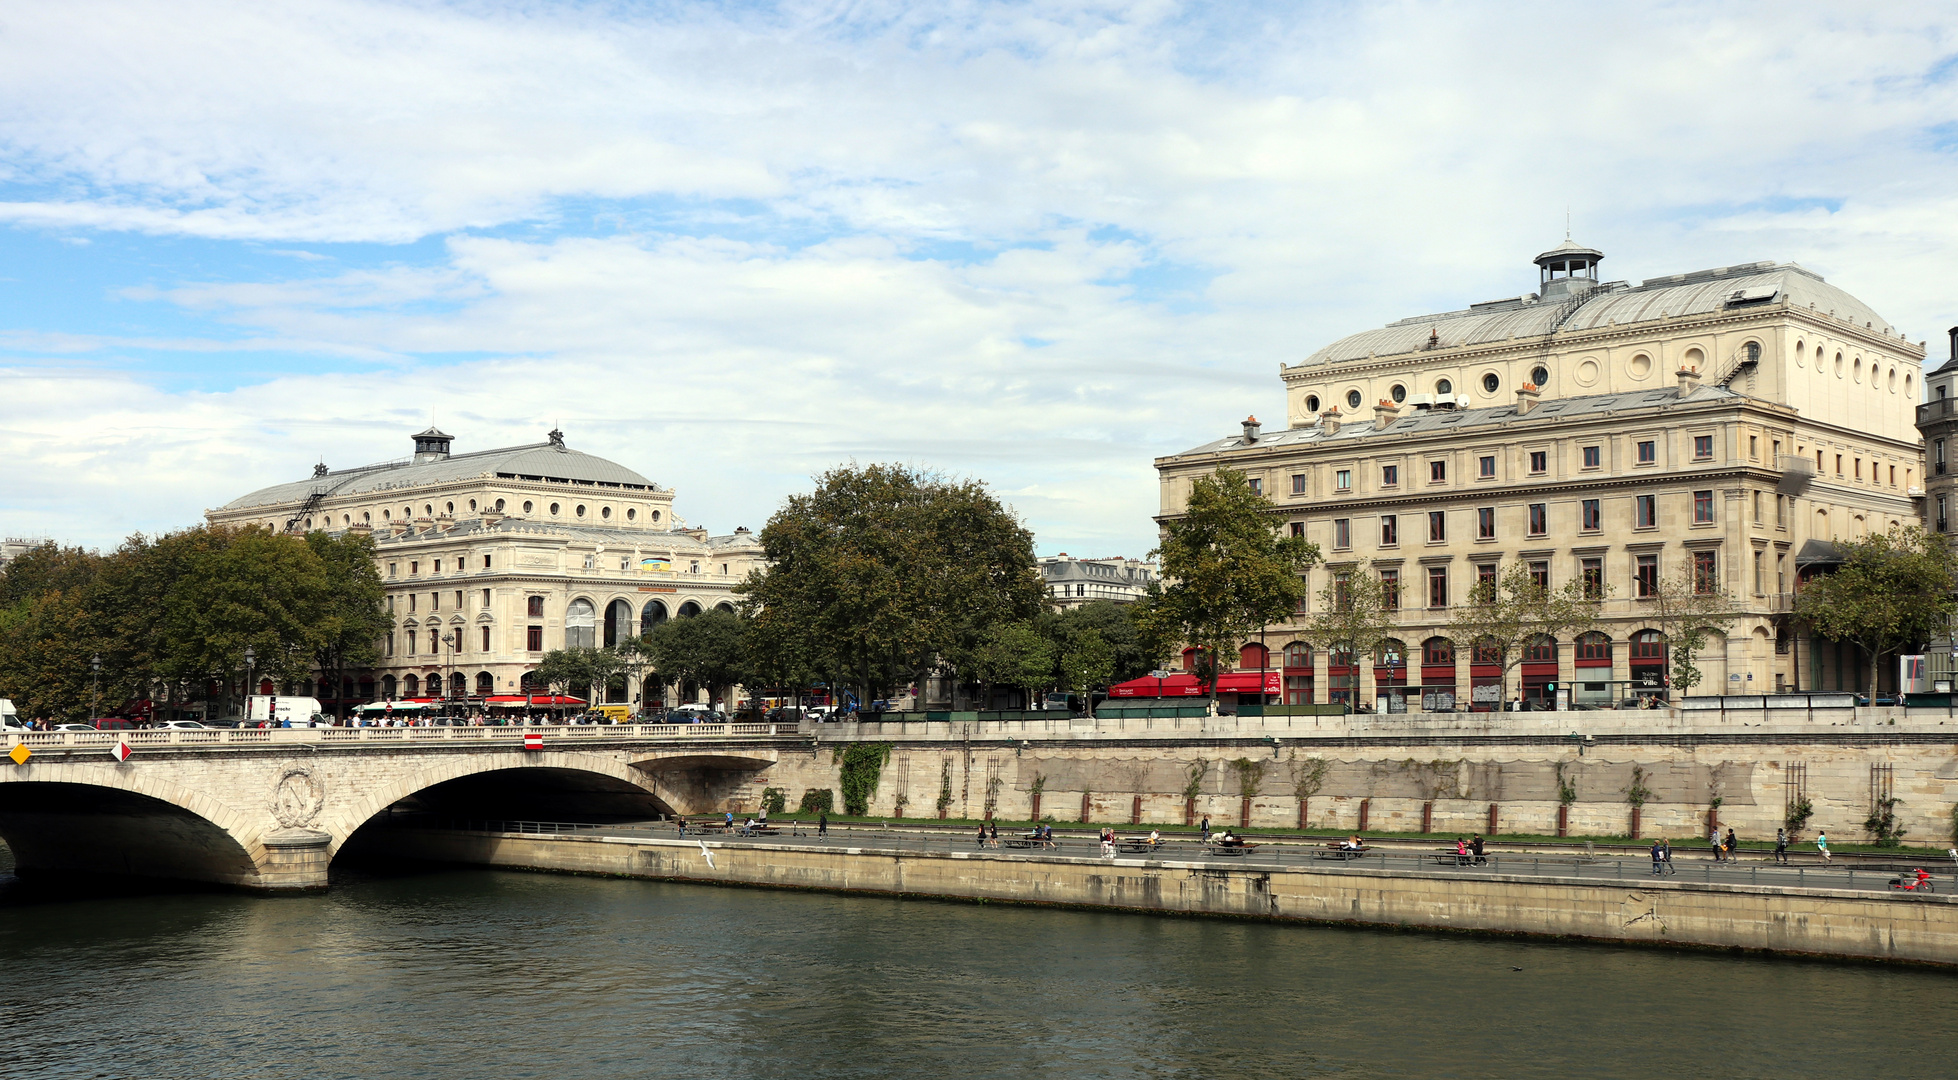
(432, 445)
(1569, 269)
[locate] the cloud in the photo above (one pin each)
(734, 245)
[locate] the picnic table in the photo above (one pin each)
(1233, 850)
(1028, 840)
(1451, 857)
(1339, 852)
(1139, 845)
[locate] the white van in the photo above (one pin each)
(286, 711)
(9, 717)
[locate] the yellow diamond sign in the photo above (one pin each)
(20, 753)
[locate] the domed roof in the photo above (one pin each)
(550, 461)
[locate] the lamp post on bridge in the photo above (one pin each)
(251, 662)
(95, 686)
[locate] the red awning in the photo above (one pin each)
(533, 699)
(1184, 684)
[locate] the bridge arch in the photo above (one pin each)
(109, 819)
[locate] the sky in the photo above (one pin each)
(735, 245)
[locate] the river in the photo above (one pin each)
(486, 975)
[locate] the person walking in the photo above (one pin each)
(1658, 858)
(682, 822)
(822, 825)
(993, 834)
(982, 835)
(1713, 840)
(1670, 868)
(1781, 846)
(1206, 828)
(1733, 847)
(1822, 844)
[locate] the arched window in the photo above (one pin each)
(1648, 645)
(387, 687)
(485, 684)
(1541, 648)
(435, 686)
(1487, 651)
(618, 622)
(1594, 649)
(1339, 655)
(1253, 656)
(1298, 655)
(410, 686)
(580, 625)
(653, 614)
(529, 684)
(1391, 653)
(1437, 651)
(689, 609)
(724, 606)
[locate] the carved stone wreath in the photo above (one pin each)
(297, 796)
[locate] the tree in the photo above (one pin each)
(1015, 654)
(1357, 612)
(1229, 572)
(1689, 611)
(566, 670)
(1088, 665)
(1507, 614)
(1891, 591)
(1115, 624)
(884, 573)
(353, 615)
(709, 649)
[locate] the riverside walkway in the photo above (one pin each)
(1289, 853)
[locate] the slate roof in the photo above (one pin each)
(1697, 293)
(537, 461)
(615, 540)
(1360, 427)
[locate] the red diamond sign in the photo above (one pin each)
(533, 740)
(120, 751)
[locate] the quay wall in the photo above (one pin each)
(1820, 922)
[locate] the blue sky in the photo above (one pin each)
(735, 245)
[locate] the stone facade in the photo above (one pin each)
(1073, 582)
(1708, 429)
(493, 558)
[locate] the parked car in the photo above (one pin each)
(112, 723)
(74, 727)
(182, 725)
(1881, 699)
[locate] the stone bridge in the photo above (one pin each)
(270, 809)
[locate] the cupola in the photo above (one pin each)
(432, 445)
(1569, 269)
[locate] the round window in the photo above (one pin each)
(451, 507)
(655, 515)
(581, 510)
(1490, 383)
(1353, 399)
(1398, 393)
(1312, 403)
(606, 513)
(499, 506)
(554, 508)
(528, 506)
(472, 506)
(1443, 386)
(1540, 375)
(632, 515)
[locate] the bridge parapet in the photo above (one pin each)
(380, 737)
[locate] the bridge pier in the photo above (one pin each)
(296, 860)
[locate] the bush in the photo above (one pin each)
(818, 801)
(773, 800)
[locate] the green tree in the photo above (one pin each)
(1357, 612)
(1229, 572)
(1505, 615)
(708, 650)
(568, 671)
(353, 615)
(1690, 613)
(1017, 655)
(1893, 590)
(1088, 665)
(1115, 624)
(885, 573)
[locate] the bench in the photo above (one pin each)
(1139, 845)
(1020, 841)
(1451, 857)
(1231, 851)
(1337, 853)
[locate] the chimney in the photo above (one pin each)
(1250, 430)
(1689, 381)
(1384, 415)
(1954, 342)
(1526, 398)
(1329, 421)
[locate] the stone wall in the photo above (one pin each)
(1911, 927)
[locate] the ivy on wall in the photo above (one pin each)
(862, 764)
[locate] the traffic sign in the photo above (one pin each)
(1161, 674)
(533, 740)
(120, 751)
(20, 753)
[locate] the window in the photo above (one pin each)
(1398, 393)
(1353, 399)
(1437, 472)
(1591, 571)
(1540, 649)
(1443, 386)
(1937, 462)
(411, 602)
(1780, 572)
(1702, 449)
(486, 562)
(1298, 528)
(1702, 507)
(390, 645)
(1540, 575)
(486, 599)
(408, 638)
(1645, 512)
(1760, 572)
(1490, 383)
(1257, 486)
(486, 635)
(458, 599)
(1539, 461)
(1485, 523)
(1437, 651)
(1838, 464)
(536, 607)
(1781, 512)
(1390, 530)
(1342, 591)
(591, 561)
(1539, 519)
(390, 603)
(1753, 448)
(1645, 579)
(1312, 403)
(1893, 476)
(1437, 586)
(1593, 646)
(1757, 507)
(1593, 518)
(1298, 483)
(1437, 526)
(1540, 375)
(1343, 480)
(435, 601)
(1648, 645)
(414, 568)
(534, 639)
(1592, 457)
(1859, 468)
(1706, 572)
(1486, 467)
(1390, 589)
(1342, 534)
(1648, 452)
(391, 567)
(1941, 515)
(1390, 475)
(438, 566)
(1485, 579)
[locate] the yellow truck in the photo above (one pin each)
(616, 714)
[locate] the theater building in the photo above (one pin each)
(494, 557)
(1717, 428)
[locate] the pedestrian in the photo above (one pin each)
(1206, 828)
(1670, 868)
(982, 835)
(1658, 858)
(1475, 846)
(1713, 840)
(682, 821)
(1733, 847)
(730, 821)
(1781, 846)
(1822, 844)
(993, 834)
(822, 825)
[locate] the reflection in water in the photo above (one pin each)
(482, 974)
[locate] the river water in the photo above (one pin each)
(483, 975)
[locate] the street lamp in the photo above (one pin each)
(95, 686)
(251, 663)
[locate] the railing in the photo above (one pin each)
(216, 737)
